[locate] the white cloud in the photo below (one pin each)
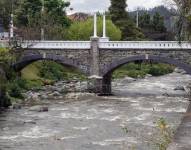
(101, 5)
(89, 5)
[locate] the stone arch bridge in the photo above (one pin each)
(98, 58)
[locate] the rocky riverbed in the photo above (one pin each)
(79, 121)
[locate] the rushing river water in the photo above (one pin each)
(126, 121)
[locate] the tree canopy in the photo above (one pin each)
(6, 7)
(30, 17)
(184, 21)
(158, 23)
(83, 30)
(121, 19)
(30, 9)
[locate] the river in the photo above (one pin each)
(125, 121)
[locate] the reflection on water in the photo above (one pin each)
(98, 123)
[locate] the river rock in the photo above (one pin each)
(39, 108)
(16, 106)
(33, 95)
(5, 128)
(166, 94)
(148, 75)
(56, 93)
(127, 80)
(77, 96)
(29, 121)
(178, 70)
(43, 96)
(179, 88)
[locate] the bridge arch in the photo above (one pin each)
(108, 69)
(26, 60)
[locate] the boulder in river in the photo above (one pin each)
(127, 80)
(29, 122)
(39, 108)
(16, 106)
(178, 70)
(148, 75)
(56, 93)
(179, 88)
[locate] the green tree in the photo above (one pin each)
(6, 8)
(145, 20)
(84, 30)
(30, 18)
(29, 9)
(158, 23)
(184, 19)
(120, 18)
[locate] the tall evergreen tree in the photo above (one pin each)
(158, 23)
(145, 20)
(120, 18)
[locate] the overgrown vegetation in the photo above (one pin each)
(48, 70)
(161, 138)
(140, 70)
(164, 135)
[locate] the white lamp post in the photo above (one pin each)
(104, 26)
(95, 25)
(104, 38)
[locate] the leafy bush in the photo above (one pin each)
(165, 134)
(51, 71)
(14, 90)
(140, 70)
(83, 30)
(160, 69)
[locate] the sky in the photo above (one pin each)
(101, 5)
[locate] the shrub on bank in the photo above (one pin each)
(160, 69)
(14, 90)
(140, 70)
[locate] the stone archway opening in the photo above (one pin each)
(39, 71)
(138, 68)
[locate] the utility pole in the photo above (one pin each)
(11, 32)
(42, 21)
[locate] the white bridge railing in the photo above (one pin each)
(144, 45)
(106, 45)
(56, 44)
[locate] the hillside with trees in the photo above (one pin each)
(158, 23)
